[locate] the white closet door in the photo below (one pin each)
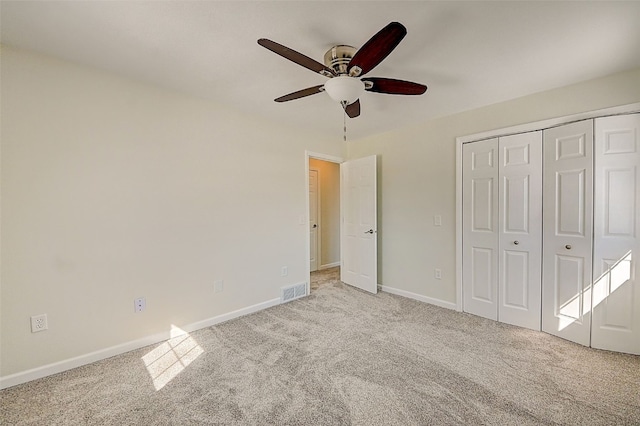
(480, 228)
(568, 219)
(616, 292)
(520, 241)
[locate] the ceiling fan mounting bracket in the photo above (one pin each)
(338, 57)
(355, 71)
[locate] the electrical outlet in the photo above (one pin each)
(285, 271)
(218, 286)
(438, 274)
(140, 304)
(437, 220)
(39, 323)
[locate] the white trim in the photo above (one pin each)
(458, 225)
(323, 157)
(68, 364)
(418, 297)
(552, 122)
(521, 128)
(329, 265)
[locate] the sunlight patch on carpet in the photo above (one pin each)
(169, 359)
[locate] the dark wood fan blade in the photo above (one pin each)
(353, 110)
(394, 87)
(376, 49)
(301, 93)
(296, 57)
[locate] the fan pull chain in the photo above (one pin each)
(345, 126)
(344, 119)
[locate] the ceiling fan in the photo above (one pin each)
(345, 65)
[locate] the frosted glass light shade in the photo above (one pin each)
(344, 88)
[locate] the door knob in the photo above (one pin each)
(315, 225)
(568, 246)
(370, 231)
(516, 242)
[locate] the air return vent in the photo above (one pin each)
(293, 292)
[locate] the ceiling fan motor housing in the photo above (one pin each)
(338, 57)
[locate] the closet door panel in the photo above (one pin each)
(515, 265)
(616, 292)
(520, 238)
(570, 199)
(480, 228)
(567, 235)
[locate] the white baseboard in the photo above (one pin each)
(68, 364)
(329, 265)
(419, 297)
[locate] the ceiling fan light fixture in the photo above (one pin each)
(344, 89)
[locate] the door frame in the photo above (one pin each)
(521, 128)
(305, 219)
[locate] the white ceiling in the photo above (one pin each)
(469, 54)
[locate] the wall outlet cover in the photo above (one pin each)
(140, 304)
(39, 323)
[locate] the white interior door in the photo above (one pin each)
(314, 194)
(359, 223)
(480, 228)
(520, 236)
(616, 292)
(568, 230)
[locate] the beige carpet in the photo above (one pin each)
(340, 357)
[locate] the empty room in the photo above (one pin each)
(319, 212)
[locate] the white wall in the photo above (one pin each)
(330, 211)
(416, 179)
(112, 190)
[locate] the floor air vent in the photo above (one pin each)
(293, 292)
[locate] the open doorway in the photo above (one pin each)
(325, 277)
(357, 222)
(323, 182)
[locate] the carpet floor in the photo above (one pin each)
(343, 357)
